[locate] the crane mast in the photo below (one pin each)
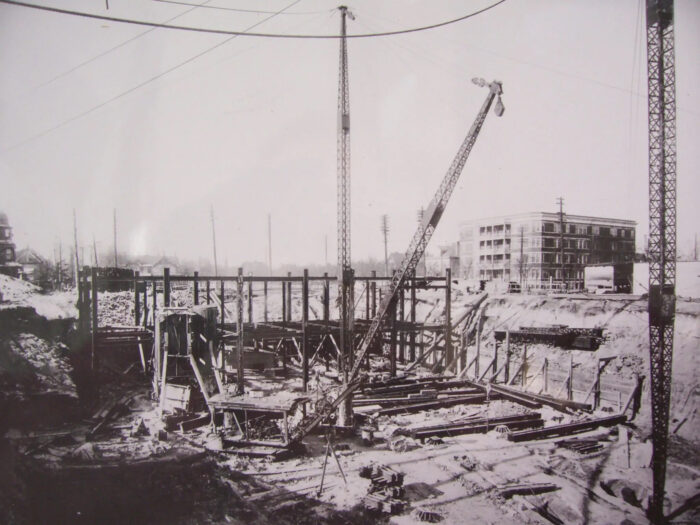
(413, 254)
(345, 274)
(662, 231)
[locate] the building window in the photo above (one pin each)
(548, 227)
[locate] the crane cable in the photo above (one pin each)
(142, 84)
(238, 10)
(243, 33)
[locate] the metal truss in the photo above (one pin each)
(662, 230)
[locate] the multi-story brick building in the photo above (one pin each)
(8, 265)
(540, 247)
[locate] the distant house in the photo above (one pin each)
(166, 262)
(30, 261)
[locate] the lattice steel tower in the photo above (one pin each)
(345, 274)
(662, 230)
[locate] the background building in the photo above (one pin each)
(32, 264)
(541, 248)
(8, 265)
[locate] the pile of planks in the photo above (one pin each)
(386, 492)
(580, 445)
(481, 425)
(567, 429)
(526, 489)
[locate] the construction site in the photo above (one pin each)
(402, 395)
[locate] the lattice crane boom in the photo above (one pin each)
(431, 218)
(413, 254)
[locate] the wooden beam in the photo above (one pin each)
(304, 329)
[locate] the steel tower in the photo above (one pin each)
(345, 273)
(662, 230)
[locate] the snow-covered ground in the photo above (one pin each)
(57, 305)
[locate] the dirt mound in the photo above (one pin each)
(30, 365)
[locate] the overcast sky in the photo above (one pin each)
(250, 127)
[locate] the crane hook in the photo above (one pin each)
(500, 108)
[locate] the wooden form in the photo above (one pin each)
(244, 410)
(283, 335)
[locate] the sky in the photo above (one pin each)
(249, 128)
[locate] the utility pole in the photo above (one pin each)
(521, 262)
(60, 264)
(345, 273)
(269, 243)
(326, 247)
(114, 221)
(385, 232)
(661, 77)
(560, 202)
(213, 239)
(75, 247)
(95, 261)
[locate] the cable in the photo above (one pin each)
(244, 33)
(243, 10)
(125, 42)
(138, 86)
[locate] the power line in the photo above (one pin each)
(122, 44)
(221, 8)
(245, 33)
(138, 86)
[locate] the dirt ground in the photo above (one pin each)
(53, 471)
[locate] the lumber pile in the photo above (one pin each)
(447, 401)
(567, 429)
(581, 446)
(386, 493)
(526, 489)
(482, 425)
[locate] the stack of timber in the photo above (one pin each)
(567, 429)
(561, 336)
(386, 492)
(447, 401)
(526, 489)
(404, 395)
(530, 399)
(481, 425)
(581, 446)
